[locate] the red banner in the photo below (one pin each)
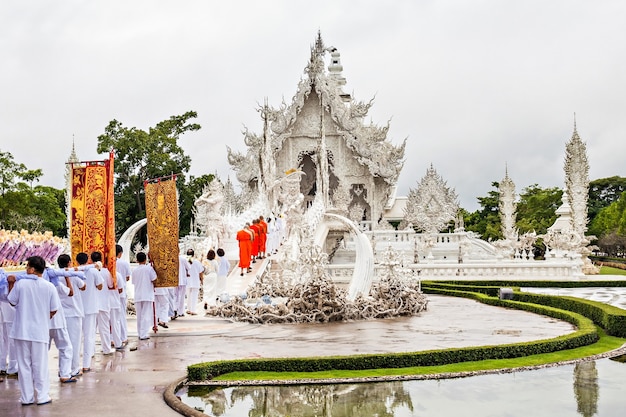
(92, 223)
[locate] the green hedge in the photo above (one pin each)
(585, 335)
(611, 319)
(536, 284)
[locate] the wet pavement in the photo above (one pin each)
(132, 382)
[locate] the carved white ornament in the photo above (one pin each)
(432, 205)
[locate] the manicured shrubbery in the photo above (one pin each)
(585, 335)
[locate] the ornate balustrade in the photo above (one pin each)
(502, 270)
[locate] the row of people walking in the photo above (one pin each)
(68, 305)
(258, 240)
(64, 305)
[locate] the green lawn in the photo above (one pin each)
(607, 270)
(605, 344)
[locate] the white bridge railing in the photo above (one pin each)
(342, 273)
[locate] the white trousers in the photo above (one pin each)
(162, 304)
(89, 338)
(8, 358)
(209, 286)
(32, 360)
(63, 343)
(192, 299)
(220, 285)
(145, 318)
(123, 322)
(116, 336)
(74, 330)
(179, 304)
(104, 328)
(171, 298)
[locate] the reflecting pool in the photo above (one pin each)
(593, 388)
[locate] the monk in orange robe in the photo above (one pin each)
(263, 236)
(244, 237)
(257, 239)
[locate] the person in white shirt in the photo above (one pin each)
(93, 284)
(36, 302)
(58, 324)
(123, 270)
(210, 279)
(73, 310)
(179, 298)
(193, 282)
(143, 278)
(109, 320)
(103, 316)
(8, 358)
(222, 273)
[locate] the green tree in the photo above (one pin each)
(141, 155)
(536, 210)
(610, 219)
(603, 192)
(10, 172)
(486, 221)
(23, 206)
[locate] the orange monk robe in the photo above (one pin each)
(257, 239)
(244, 238)
(263, 236)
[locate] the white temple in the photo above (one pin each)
(335, 179)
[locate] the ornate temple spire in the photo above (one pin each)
(507, 206)
(73, 158)
(315, 66)
(577, 181)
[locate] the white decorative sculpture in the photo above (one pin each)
(208, 213)
(433, 205)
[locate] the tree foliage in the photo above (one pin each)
(603, 192)
(486, 221)
(610, 219)
(22, 206)
(142, 155)
(536, 210)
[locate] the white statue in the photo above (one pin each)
(208, 213)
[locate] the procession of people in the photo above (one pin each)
(69, 304)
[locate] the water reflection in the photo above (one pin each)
(586, 388)
(340, 400)
(546, 392)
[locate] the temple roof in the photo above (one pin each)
(368, 141)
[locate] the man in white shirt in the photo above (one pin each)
(73, 310)
(58, 324)
(143, 278)
(93, 284)
(36, 302)
(123, 270)
(196, 270)
(108, 314)
(183, 277)
(8, 358)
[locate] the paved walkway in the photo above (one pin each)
(132, 382)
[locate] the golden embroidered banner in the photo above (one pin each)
(162, 224)
(92, 222)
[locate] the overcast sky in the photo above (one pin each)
(473, 86)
